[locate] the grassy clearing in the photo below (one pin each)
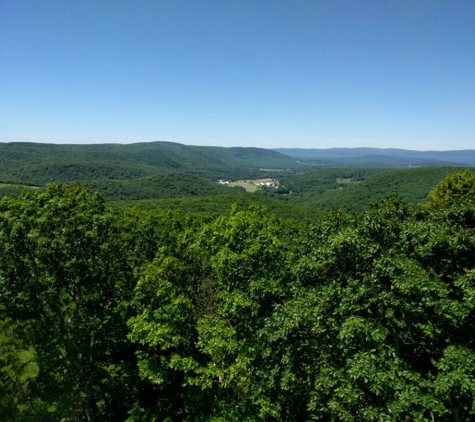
(250, 185)
(246, 184)
(342, 181)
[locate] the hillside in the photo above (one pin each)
(14, 190)
(412, 185)
(319, 181)
(37, 164)
(164, 170)
(214, 206)
(389, 157)
(157, 186)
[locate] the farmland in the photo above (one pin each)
(254, 184)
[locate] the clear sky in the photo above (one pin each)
(293, 73)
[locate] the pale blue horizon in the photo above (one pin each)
(280, 74)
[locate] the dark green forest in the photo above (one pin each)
(38, 164)
(214, 206)
(354, 189)
(162, 175)
(124, 314)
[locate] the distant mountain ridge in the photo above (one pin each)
(381, 156)
(32, 163)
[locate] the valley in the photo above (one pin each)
(160, 171)
(166, 282)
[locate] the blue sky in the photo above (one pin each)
(294, 73)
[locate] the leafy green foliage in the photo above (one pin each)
(218, 205)
(144, 315)
(18, 367)
(413, 185)
(454, 188)
(159, 186)
(360, 319)
(202, 306)
(66, 272)
(14, 190)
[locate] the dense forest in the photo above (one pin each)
(124, 314)
(37, 164)
(354, 189)
(162, 175)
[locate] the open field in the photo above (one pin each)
(343, 181)
(251, 185)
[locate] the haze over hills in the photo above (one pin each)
(391, 157)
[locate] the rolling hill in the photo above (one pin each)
(389, 157)
(37, 164)
(173, 185)
(175, 175)
(353, 190)
(214, 206)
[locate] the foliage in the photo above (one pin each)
(38, 164)
(66, 274)
(18, 367)
(159, 186)
(200, 310)
(13, 190)
(364, 318)
(218, 205)
(107, 314)
(413, 185)
(456, 187)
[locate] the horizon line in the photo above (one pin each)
(232, 146)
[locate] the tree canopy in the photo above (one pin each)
(107, 314)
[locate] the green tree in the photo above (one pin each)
(202, 307)
(384, 322)
(162, 316)
(18, 367)
(66, 274)
(453, 188)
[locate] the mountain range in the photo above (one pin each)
(32, 163)
(390, 157)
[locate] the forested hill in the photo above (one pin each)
(171, 185)
(382, 157)
(37, 164)
(354, 189)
